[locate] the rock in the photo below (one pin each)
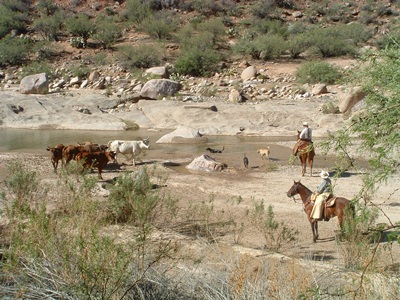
(206, 163)
(235, 96)
(156, 88)
(356, 95)
(320, 89)
(95, 75)
(161, 72)
(248, 73)
(35, 84)
(182, 132)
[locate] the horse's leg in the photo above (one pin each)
(310, 162)
(314, 229)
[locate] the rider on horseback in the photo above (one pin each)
(305, 136)
(322, 193)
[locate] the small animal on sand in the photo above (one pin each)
(264, 152)
(245, 161)
(215, 150)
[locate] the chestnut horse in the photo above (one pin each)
(306, 154)
(336, 210)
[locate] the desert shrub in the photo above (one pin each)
(354, 32)
(275, 233)
(297, 44)
(207, 7)
(141, 56)
(11, 20)
(262, 47)
(197, 61)
(48, 26)
(318, 72)
(214, 27)
(14, 51)
(136, 11)
(271, 27)
(358, 241)
(37, 67)
(22, 185)
(160, 25)
(80, 26)
(79, 70)
(338, 12)
(263, 9)
(330, 108)
(329, 42)
(107, 32)
(47, 7)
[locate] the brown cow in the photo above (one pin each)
(70, 152)
(95, 159)
(56, 154)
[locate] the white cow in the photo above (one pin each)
(132, 148)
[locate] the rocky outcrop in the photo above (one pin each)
(205, 163)
(348, 102)
(35, 84)
(183, 134)
(156, 88)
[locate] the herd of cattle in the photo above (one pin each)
(96, 155)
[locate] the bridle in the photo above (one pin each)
(295, 191)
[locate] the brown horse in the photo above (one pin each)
(336, 210)
(306, 152)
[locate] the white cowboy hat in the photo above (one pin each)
(324, 174)
(305, 124)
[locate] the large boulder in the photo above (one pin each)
(248, 73)
(205, 163)
(35, 84)
(161, 72)
(348, 102)
(183, 134)
(156, 88)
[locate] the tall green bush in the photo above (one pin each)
(197, 61)
(318, 72)
(80, 26)
(160, 25)
(140, 56)
(107, 32)
(15, 50)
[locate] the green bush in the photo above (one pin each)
(214, 27)
(80, 26)
(297, 44)
(136, 11)
(329, 42)
(160, 25)
(262, 47)
(197, 62)
(48, 26)
(318, 72)
(37, 67)
(274, 27)
(275, 233)
(14, 51)
(107, 32)
(11, 20)
(141, 56)
(80, 70)
(264, 9)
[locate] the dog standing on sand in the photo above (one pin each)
(264, 153)
(246, 161)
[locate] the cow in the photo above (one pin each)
(133, 148)
(56, 154)
(70, 151)
(97, 160)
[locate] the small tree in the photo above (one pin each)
(80, 26)
(107, 32)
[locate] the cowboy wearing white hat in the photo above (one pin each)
(322, 193)
(304, 136)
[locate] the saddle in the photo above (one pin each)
(330, 201)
